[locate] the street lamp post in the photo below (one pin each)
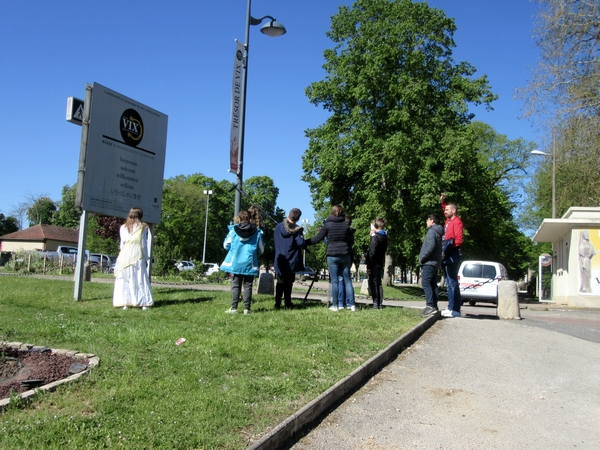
(208, 193)
(553, 156)
(273, 29)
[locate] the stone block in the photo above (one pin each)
(508, 300)
(364, 289)
(266, 284)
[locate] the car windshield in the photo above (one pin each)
(479, 271)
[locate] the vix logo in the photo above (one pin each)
(132, 127)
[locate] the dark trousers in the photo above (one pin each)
(236, 285)
(375, 286)
(452, 285)
(284, 289)
(429, 280)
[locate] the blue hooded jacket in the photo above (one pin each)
(244, 244)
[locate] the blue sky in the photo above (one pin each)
(177, 57)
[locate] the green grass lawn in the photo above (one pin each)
(233, 379)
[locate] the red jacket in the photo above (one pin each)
(453, 229)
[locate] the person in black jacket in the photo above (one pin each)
(376, 260)
(289, 242)
(339, 246)
(430, 259)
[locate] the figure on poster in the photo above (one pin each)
(586, 252)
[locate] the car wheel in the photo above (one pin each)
(472, 303)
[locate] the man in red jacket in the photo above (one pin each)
(452, 240)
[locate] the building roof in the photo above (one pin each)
(42, 233)
(576, 217)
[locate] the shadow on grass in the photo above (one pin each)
(163, 303)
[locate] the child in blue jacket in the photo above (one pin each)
(244, 244)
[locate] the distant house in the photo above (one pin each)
(39, 237)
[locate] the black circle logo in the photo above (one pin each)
(239, 55)
(132, 127)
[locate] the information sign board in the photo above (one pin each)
(125, 156)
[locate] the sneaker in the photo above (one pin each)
(352, 308)
(246, 312)
(447, 313)
(144, 308)
(455, 314)
(124, 308)
(429, 310)
(231, 311)
(333, 308)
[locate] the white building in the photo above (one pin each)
(575, 239)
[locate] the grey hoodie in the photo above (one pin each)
(431, 251)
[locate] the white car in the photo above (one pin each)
(478, 281)
(185, 265)
(211, 268)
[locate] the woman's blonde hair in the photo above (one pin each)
(135, 216)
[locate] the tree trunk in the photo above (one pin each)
(388, 273)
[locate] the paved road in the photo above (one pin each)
(480, 383)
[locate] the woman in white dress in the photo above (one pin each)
(132, 283)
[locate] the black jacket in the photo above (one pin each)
(339, 236)
(289, 241)
(377, 248)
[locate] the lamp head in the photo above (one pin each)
(273, 29)
(539, 152)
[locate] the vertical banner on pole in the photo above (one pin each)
(236, 103)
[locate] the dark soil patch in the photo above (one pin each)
(17, 366)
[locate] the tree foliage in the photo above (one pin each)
(8, 225)
(398, 133)
(576, 143)
(103, 234)
(66, 215)
(41, 211)
(564, 92)
(262, 192)
(567, 76)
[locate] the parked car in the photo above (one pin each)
(478, 281)
(211, 268)
(101, 260)
(65, 253)
(306, 274)
(185, 265)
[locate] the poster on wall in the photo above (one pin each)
(588, 255)
(125, 158)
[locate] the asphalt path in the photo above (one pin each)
(477, 382)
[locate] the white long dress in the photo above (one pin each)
(132, 283)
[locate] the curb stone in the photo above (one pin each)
(93, 361)
(295, 424)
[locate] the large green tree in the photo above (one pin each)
(399, 107)
(66, 215)
(180, 235)
(8, 225)
(41, 211)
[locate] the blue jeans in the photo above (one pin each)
(341, 292)
(429, 279)
(340, 266)
(454, 301)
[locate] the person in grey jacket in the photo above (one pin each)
(430, 259)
